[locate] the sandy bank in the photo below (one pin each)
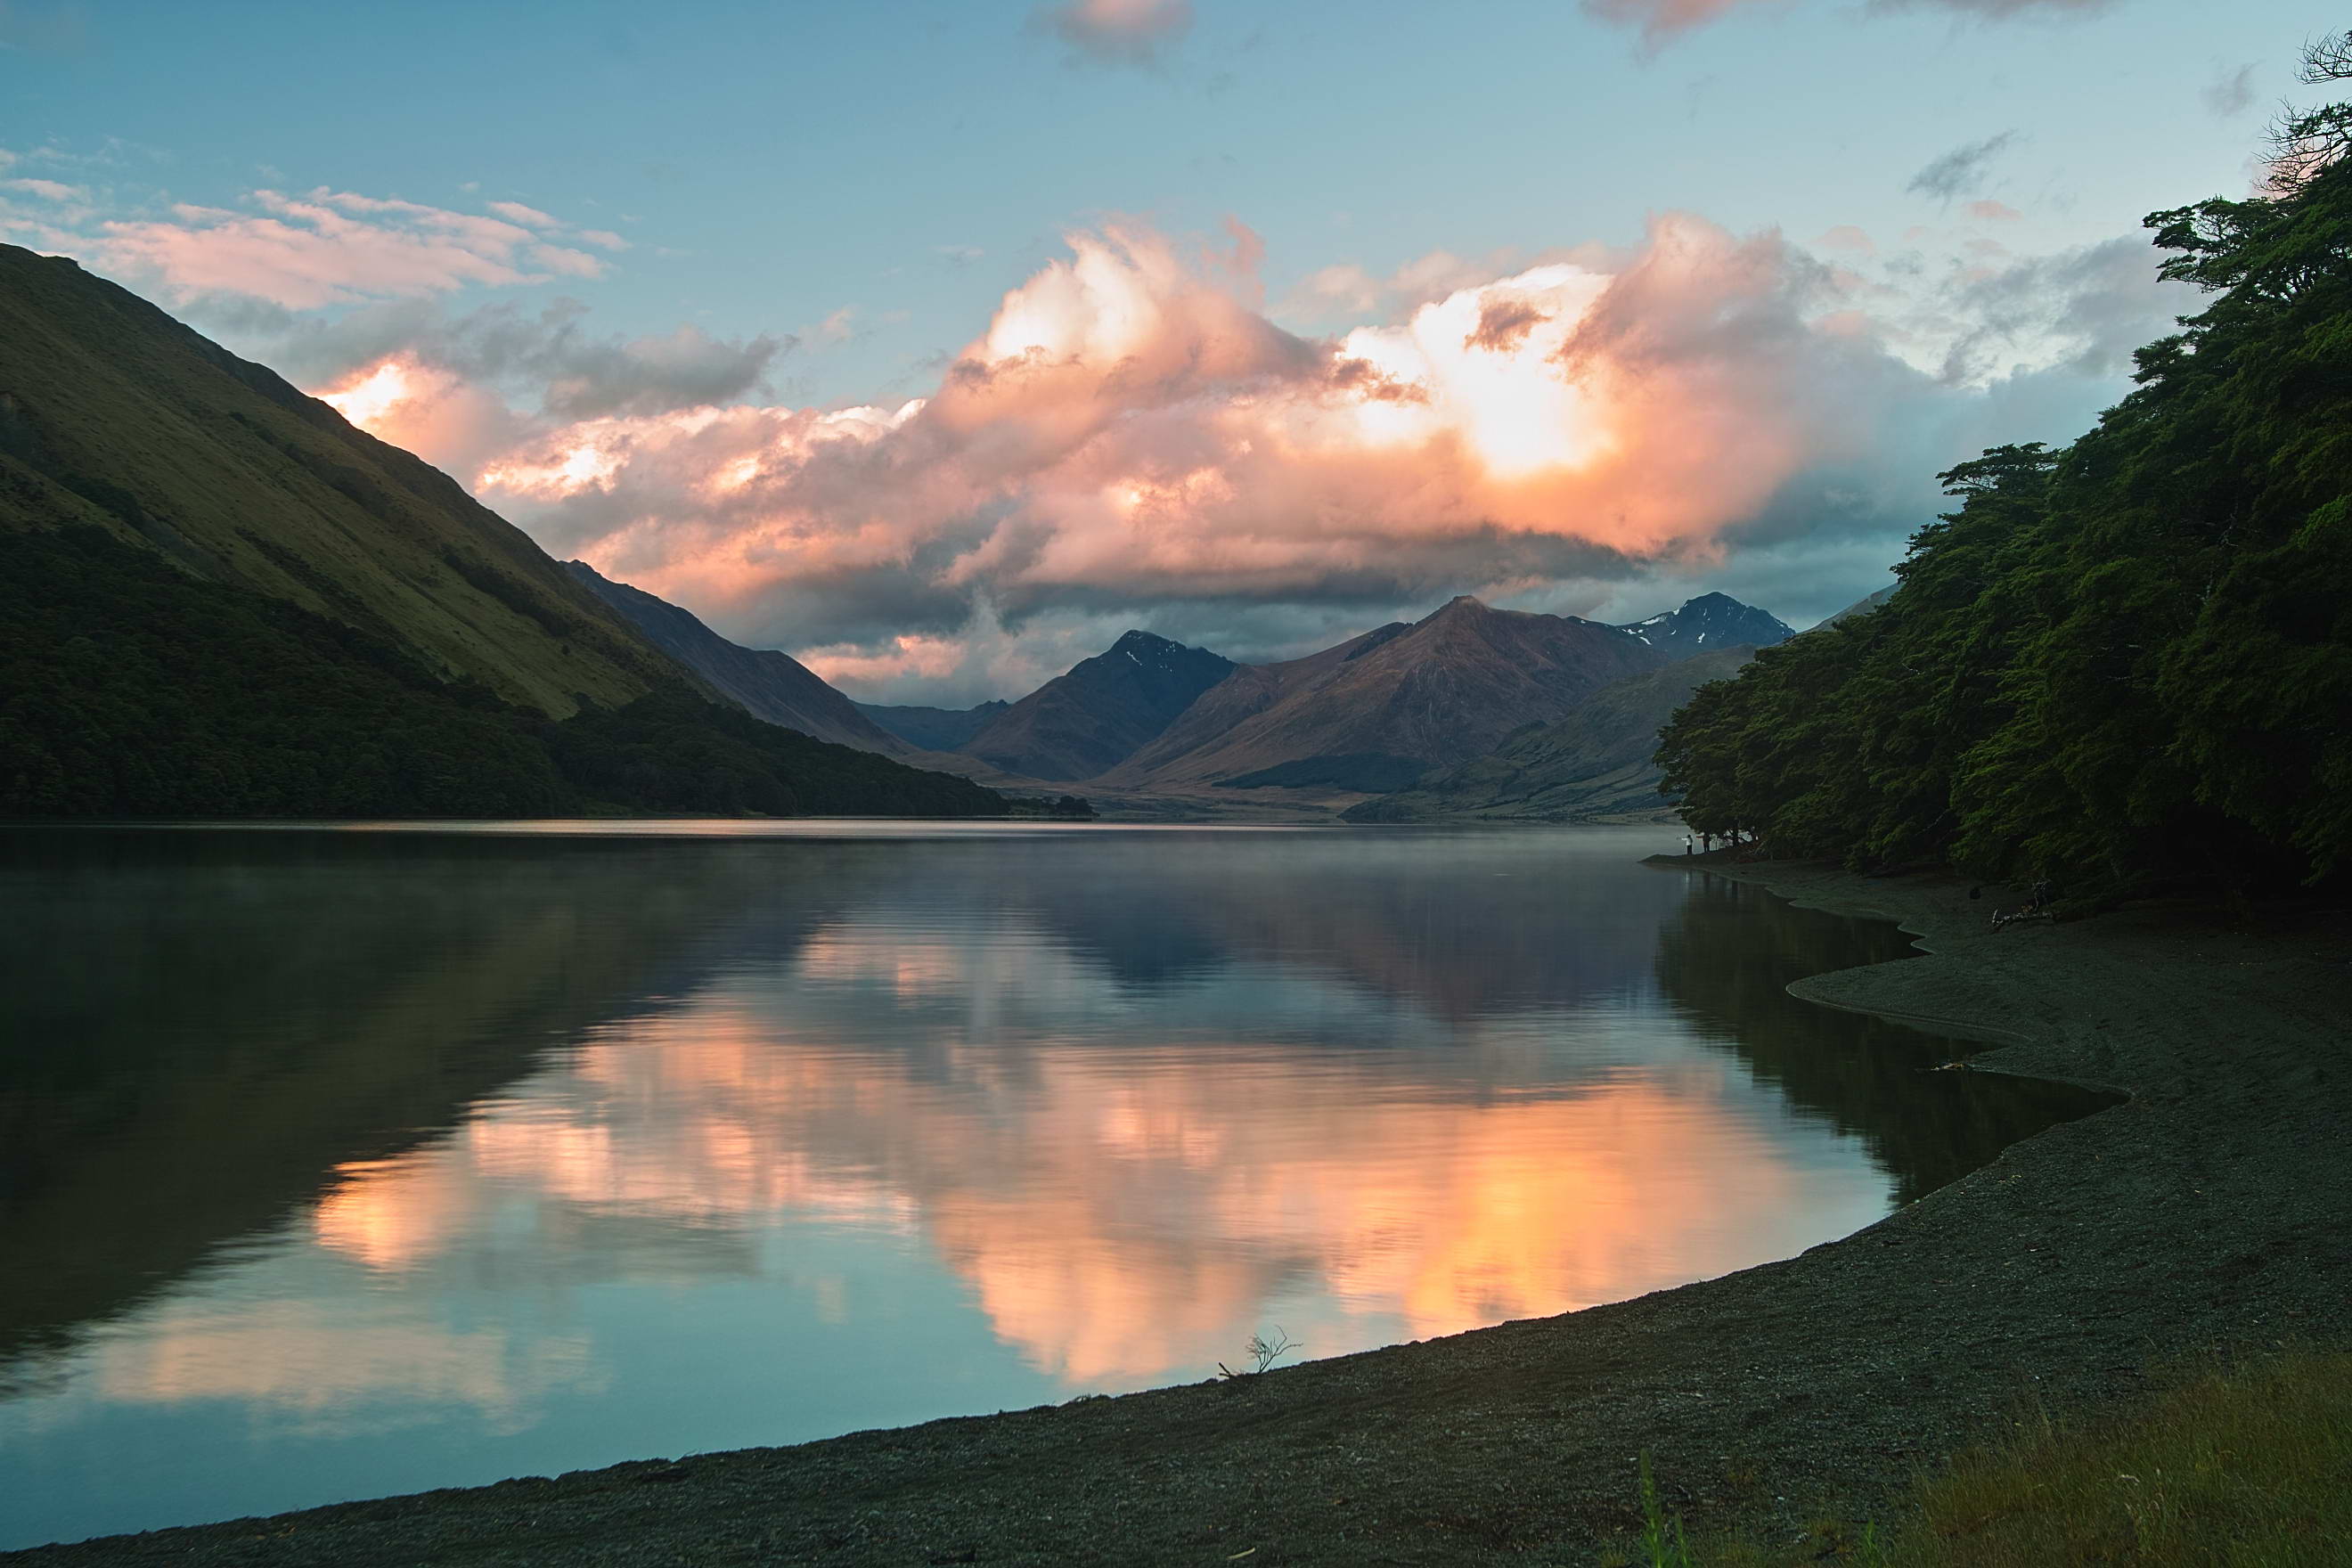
(2215, 1207)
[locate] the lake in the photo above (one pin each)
(340, 1161)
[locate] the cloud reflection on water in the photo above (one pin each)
(1119, 1214)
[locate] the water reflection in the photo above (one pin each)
(408, 1160)
(1119, 1215)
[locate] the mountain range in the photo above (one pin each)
(1441, 690)
(222, 600)
(1471, 710)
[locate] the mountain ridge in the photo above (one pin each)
(1096, 714)
(114, 415)
(765, 683)
(1597, 760)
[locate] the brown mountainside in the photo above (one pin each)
(1441, 691)
(1596, 761)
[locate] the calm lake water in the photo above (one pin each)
(336, 1164)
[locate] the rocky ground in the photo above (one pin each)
(2211, 1209)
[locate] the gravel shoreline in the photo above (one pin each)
(2212, 1208)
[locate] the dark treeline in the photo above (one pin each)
(2117, 665)
(130, 689)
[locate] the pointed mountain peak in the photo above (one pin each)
(1709, 621)
(1137, 641)
(1462, 606)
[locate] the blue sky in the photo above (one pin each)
(864, 185)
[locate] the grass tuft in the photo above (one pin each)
(2240, 1467)
(2245, 1466)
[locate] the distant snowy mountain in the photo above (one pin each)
(1710, 621)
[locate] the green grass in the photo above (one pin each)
(2236, 1466)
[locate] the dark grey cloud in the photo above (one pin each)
(1960, 171)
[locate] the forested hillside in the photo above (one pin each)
(129, 688)
(2120, 664)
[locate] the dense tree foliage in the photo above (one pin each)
(129, 689)
(2117, 664)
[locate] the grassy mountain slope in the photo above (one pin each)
(1599, 758)
(114, 415)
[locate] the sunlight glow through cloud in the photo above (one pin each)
(1130, 422)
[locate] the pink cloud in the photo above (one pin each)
(1993, 212)
(530, 217)
(1116, 32)
(1130, 425)
(329, 247)
(48, 190)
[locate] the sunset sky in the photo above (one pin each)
(939, 343)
